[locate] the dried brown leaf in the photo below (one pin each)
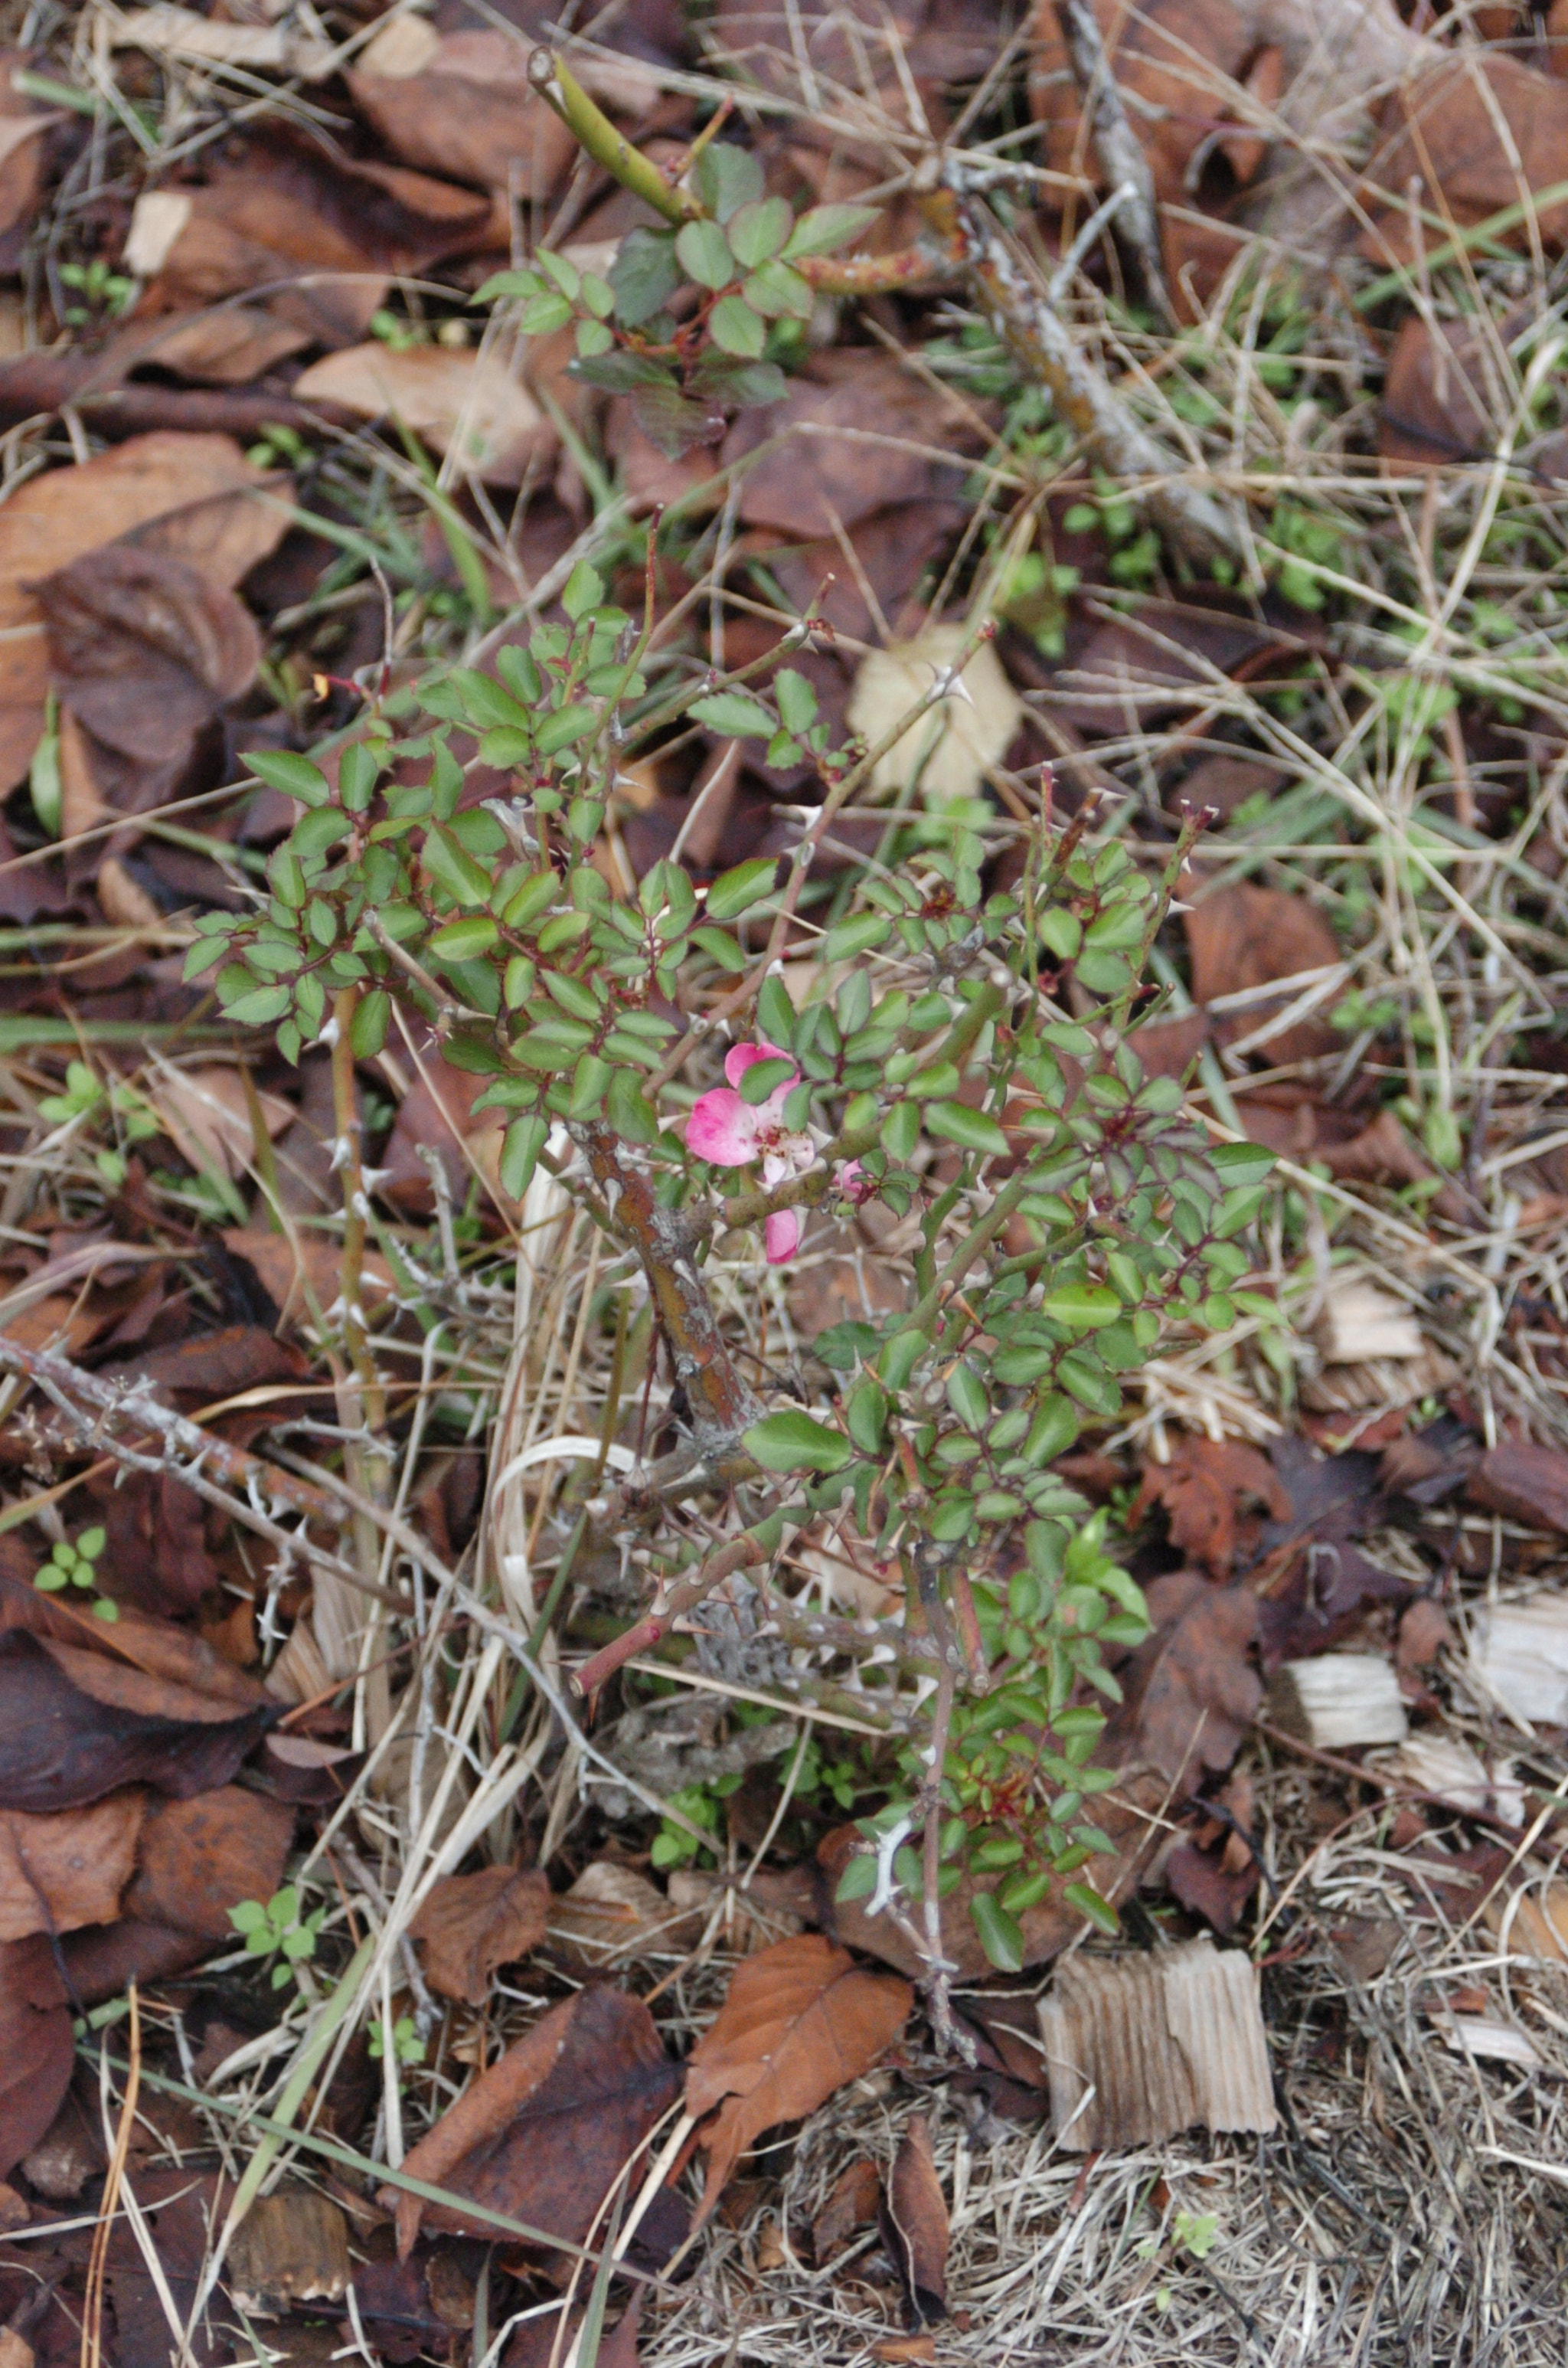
(1524, 1483)
(37, 2049)
(1244, 937)
(462, 107)
(144, 649)
(546, 2131)
(1190, 1690)
(801, 2018)
(60, 1746)
(68, 1869)
(917, 2224)
(1202, 1487)
(469, 406)
(472, 1923)
(200, 1858)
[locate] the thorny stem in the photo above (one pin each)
(741, 1554)
(1042, 342)
(340, 1618)
(721, 1402)
(1120, 152)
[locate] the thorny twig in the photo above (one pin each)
(1120, 150)
(1042, 342)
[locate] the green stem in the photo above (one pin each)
(558, 87)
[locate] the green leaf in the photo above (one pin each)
(566, 728)
(865, 1415)
(1242, 1163)
(644, 275)
(525, 1139)
(544, 313)
(45, 786)
(454, 869)
(733, 712)
(620, 373)
(763, 1078)
(726, 179)
(465, 941)
(737, 328)
(507, 284)
(367, 1031)
(1000, 1936)
(561, 270)
(776, 291)
(1083, 1306)
(736, 892)
(760, 230)
(826, 228)
(793, 1442)
(1087, 1902)
(972, 1130)
(736, 381)
(595, 338)
(1060, 932)
(583, 590)
(259, 1010)
(797, 700)
(250, 1916)
(668, 420)
(295, 776)
(704, 254)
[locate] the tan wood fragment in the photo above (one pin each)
(1339, 1699)
(1140, 2047)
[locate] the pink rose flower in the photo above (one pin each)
(730, 1132)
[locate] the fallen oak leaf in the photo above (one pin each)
(1200, 1488)
(543, 2134)
(801, 2020)
(472, 1923)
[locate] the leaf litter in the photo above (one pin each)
(267, 464)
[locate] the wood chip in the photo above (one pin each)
(1360, 1322)
(1519, 1653)
(1139, 2048)
(1450, 1772)
(1339, 1699)
(291, 2247)
(1473, 2034)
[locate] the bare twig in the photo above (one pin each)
(1136, 226)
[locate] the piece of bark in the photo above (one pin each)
(1339, 1699)
(1141, 2048)
(1519, 1653)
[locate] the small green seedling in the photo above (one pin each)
(407, 2045)
(279, 1927)
(71, 1564)
(87, 1096)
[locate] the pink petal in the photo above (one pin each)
(742, 1057)
(854, 1182)
(722, 1128)
(781, 1236)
